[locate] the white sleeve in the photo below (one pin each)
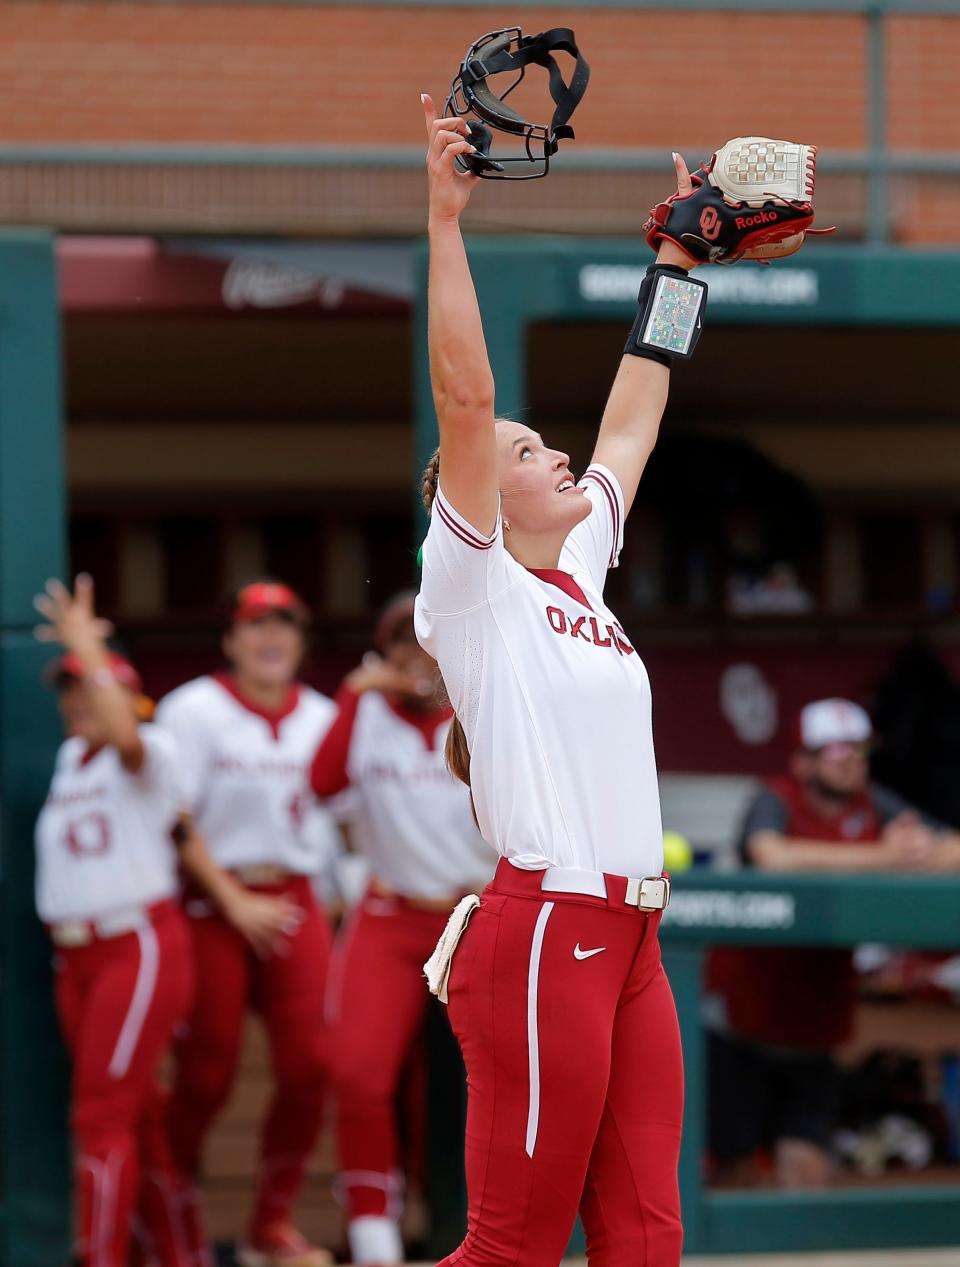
(596, 541)
(180, 721)
(462, 568)
(161, 768)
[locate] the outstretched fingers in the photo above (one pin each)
(429, 113)
(684, 183)
(83, 591)
(437, 123)
(454, 148)
(54, 601)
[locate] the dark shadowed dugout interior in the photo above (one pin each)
(802, 500)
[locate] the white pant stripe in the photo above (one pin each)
(99, 1245)
(533, 1035)
(333, 995)
(111, 1184)
(140, 1002)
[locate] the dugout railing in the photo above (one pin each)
(920, 912)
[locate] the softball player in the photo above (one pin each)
(413, 822)
(247, 738)
(557, 994)
(106, 883)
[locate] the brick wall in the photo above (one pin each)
(351, 74)
(92, 71)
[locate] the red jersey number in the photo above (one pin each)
(89, 836)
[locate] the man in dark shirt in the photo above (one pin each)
(776, 1013)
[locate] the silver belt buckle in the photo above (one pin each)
(69, 933)
(652, 893)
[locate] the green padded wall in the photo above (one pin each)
(34, 1187)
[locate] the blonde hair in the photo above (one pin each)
(456, 753)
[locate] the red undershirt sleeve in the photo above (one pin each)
(328, 773)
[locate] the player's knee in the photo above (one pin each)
(355, 1078)
(98, 1125)
(203, 1085)
(304, 1070)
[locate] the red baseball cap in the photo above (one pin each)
(263, 597)
(70, 666)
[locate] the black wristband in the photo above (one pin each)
(683, 336)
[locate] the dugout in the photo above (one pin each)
(237, 406)
(844, 319)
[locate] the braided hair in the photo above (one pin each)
(455, 752)
(431, 477)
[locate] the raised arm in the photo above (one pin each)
(631, 419)
(460, 374)
(74, 624)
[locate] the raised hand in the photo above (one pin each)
(71, 618)
(907, 844)
(450, 188)
(684, 183)
(377, 674)
(669, 252)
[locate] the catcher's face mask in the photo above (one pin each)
(510, 51)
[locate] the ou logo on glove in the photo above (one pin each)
(710, 223)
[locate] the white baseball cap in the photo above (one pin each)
(828, 721)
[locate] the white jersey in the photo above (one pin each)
(246, 772)
(554, 699)
(103, 837)
(410, 817)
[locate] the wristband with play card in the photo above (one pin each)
(669, 320)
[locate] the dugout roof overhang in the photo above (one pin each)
(547, 278)
(521, 281)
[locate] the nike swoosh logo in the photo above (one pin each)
(586, 954)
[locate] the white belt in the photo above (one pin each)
(652, 893)
(81, 932)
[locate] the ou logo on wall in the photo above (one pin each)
(749, 703)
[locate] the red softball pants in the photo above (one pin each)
(376, 999)
(287, 990)
(574, 1071)
(118, 1000)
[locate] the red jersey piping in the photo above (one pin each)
(563, 581)
(601, 480)
(92, 750)
(468, 537)
(328, 770)
(427, 722)
(272, 716)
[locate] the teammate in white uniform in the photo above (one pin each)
(106, 879)
(413, 822)
(557, 994)
(247, 738)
